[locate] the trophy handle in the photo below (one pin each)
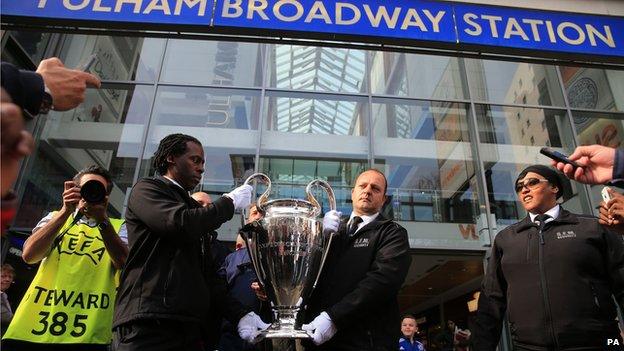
(330, 195)
(265, 196)
(332, 206)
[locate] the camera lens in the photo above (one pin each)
(93, 192)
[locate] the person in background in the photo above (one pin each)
(69, 303)
(599, 165)
(239, 274)
(409, 330)
(52, 87)
(542, 265)
(7, 275)
(16, 142)
(612, 212)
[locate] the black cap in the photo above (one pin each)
(553, 176)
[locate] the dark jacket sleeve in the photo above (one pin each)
(614, 257)
(25, 87)
(384, 278)
(492, 303)
(166, 216)
(618, 169)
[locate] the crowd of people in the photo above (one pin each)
(159, 279)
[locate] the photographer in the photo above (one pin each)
(70, 301)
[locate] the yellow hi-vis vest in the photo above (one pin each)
(71, 299)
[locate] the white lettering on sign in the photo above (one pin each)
(528, 29)
(148, 6)
(345, 14)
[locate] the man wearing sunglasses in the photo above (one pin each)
(553, 273)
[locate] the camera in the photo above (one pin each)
(93, 192)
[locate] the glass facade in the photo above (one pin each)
(450, 133)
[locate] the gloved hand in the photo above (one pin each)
(323, 328)
(241, 196)
(331, 221)
(249, 327)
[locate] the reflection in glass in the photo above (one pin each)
(33, 43)
(510, 141)
(422, 76)
(523, 126)
(220, 63)
(105, 130)
(317, 68)
(290, 176)
(594, 88)
(314, 114)
(424, 150)
(206, 107)
(117, 58)
(514, 83)
(223, 120)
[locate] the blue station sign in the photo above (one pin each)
(453, 24)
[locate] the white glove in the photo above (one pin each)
(249, 327)
(323, 328)
(331, 221)
(241, 196)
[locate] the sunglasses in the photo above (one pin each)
(530, 183)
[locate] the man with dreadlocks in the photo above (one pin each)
(169, 282)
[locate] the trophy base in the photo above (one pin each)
(284, 334)
(284, 326)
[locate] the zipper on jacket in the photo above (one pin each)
(545, 295)
(528, 250)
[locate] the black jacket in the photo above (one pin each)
(25, 87)
(556, 287)
(359, 285)
(169, 273)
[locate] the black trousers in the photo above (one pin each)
(158, 335)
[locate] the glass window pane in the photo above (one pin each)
(219, 63)
(424, 150)
(223, 120)
(402, 74)
(32, 43)
(290, 176)
(207, 107)
(117, 58)
(514, 83)
(105, 130)
(316, 114)
(317, 68)
(594, 88)
(511, 138)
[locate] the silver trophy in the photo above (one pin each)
(288, 249)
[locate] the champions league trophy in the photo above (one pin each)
(288, 249)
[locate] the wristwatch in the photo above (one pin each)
(46, 101)
(103, 225)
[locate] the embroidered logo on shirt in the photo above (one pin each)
(361, 242)
(565, 235)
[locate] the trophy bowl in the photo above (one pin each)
(288, 249)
